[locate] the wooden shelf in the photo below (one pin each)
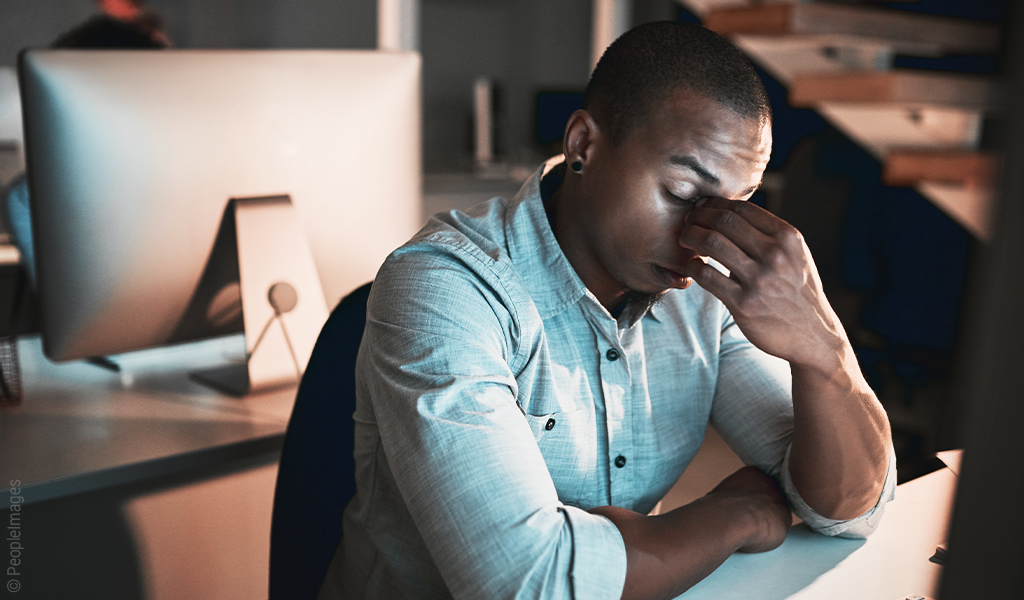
(837, 59)
(908, 31)
(882, 129)
(899, 87)
(787, 57)
(971, 207)
(911, 167)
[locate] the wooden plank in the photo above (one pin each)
(907, 87)
(763, 19)
(887, 131)
(945, 34)
(883, 128)
(702, 7)
(786, 57)
(699, 8)
(971, 207)
(910, 167)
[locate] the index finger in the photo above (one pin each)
(762, 220)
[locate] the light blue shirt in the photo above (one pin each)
(19, 215)
(497, 401)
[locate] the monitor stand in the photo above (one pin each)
(283, 306)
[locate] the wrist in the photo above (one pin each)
(756, 520)
(826, 347)
(826, 359)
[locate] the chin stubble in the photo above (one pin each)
(642, 301)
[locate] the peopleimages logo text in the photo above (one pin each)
(15, 546)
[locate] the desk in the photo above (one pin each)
(80, 428)
(890, 565)
(130, 480)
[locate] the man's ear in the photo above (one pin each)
(581, 132)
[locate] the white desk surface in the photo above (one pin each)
(890, 565)
(80, 427)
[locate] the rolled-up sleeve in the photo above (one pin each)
(859, 527)
(753, 412)
(439, 358)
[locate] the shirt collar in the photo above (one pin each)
(552, 282)
(538, 258)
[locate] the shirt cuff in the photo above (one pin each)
(599, 555)
(858, 527)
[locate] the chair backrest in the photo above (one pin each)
(316, 477)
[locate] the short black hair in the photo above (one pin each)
(649, 62)
(107, 32)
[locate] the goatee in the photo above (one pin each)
(641, 302)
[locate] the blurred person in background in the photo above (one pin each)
(124, 24)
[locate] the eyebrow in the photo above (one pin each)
(692, 163)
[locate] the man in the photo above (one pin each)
(535, 375)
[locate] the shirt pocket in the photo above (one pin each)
(568, 442)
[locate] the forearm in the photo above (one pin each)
(841, 439)
(668, 554)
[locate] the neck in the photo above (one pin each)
(565, 211)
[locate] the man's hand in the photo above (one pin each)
(768, 507)
(773, 290)
(669, 553)
(841, 436)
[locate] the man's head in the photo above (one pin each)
(673, 113)
(124, 24)
(105, 32)
(649, 62)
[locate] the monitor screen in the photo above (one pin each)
(133, 156)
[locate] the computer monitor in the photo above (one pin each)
(133, 156)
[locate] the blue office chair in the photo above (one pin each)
(316, 477)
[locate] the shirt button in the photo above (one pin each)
(612, 354)
(620, 461)
(550, 424)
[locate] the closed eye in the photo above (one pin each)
(682, 201)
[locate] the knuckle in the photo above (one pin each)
(758, 289)
(776, 258)
(724, 219)
(792, 238)
(714, 241)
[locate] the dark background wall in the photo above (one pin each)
(205, 23)
(524, 46)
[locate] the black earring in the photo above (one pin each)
(577, 166)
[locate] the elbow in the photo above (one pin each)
(848, 494)
(842, 501)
